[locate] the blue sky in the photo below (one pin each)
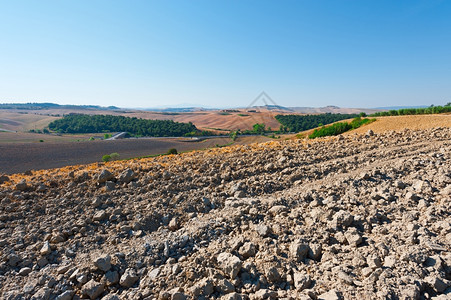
(224, 53)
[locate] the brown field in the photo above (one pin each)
(20, 157)
(399, 123)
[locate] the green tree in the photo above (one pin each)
(114, 156)
(233, 135)
(259, 128)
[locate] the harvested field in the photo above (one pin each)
(20, 157)
(399, 123)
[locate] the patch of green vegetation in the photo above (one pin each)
(415, 111)
(157, 155)
(233, 135)
(297, 123)
(41, 141)
(224, 145)
(145, 156)
(199, 133)
(224, 113)
(218, 129)
(339, 128)
(243, 115)
(257, 128)
(300, 135)
(172, 151)
(35, 131)
(110, 157)
(114, 156)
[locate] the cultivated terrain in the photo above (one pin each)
(355, 216)
(20, 157)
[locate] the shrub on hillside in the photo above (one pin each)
(110, 157)
(172, 151)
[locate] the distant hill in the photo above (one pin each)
(178, 109)
(400, 107)
(332, 109)
(271, 107)
(41, 106)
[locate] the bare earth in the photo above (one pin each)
(351, 217)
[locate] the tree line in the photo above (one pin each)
(79, 123)
(415, 111)
(297, 123)
(340, 127)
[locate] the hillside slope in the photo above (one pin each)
(398, 123)
(363, 216)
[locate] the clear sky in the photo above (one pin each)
(224, 53)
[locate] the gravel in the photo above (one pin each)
(360, 216)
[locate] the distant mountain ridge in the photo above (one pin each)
(400, 107)
(46, 105)
(193, 108)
